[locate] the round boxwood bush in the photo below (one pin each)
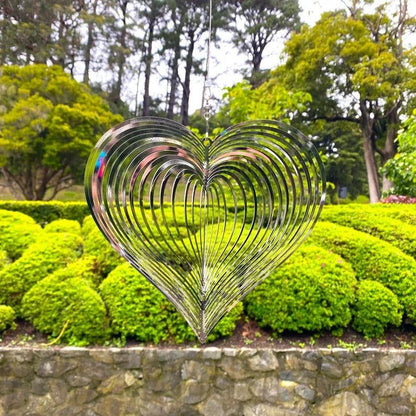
(7, 317)
(69, 309)
(63, 226)
(376, 308)
(312, 291)
(138, 310)
(372, 259)
(52, 251)
(17, 232)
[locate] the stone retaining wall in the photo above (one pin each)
(206, 381)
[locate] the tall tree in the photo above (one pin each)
(356, 68)
(49, 125)
(152, 13)
(257, 24)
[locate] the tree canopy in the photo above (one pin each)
(49, 125)
(356, 69)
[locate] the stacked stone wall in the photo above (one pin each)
(206, 382)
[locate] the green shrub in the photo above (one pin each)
(7, 317)
(392, 230)
(17, 232)
(44, 212)
(84, 268)
(372, 259)
(138, 310)
(52, 251)
(63, 226)
(68, 309)
(376, 307)
(97, 246)
(312, 291)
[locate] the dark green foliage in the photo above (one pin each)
(372, 259)
(63, 226)
(67, 308)
(394, 231)
(52, 251)
(44, 212)
(17, 232)
(7, 317)
(138, 310)
(312, 291)
(376, 308)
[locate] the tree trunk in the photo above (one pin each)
(369, 156)
(187, 80)
(173, 82)
(148, 67)
(121, 58)
(90, 44)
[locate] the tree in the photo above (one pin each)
(257, 24)
(269, 101)
(49, 125)
(402, 168)
(356, 68)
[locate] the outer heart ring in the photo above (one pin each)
(204, 221)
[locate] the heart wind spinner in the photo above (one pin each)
(204, 221)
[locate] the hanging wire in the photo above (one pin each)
(206, 109)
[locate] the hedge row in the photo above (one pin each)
(44, 212)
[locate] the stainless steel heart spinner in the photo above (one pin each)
(204, 221)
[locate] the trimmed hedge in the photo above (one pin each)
(312, 291)
(375, 309)
(17, 232)
(372, 259)
(67, 308)
(50, 252)
(7, 317)
(44, 212)
(394, 231)
(138, 310)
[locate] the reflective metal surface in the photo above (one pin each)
(204, 221)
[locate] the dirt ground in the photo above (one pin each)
(247, 334)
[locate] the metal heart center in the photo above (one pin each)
(204, 221)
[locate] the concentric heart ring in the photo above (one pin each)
(204, 221)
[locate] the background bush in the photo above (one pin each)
(7, 317)
(44, 212)
(68, 308)
(376, 308)
(312, 291)
(138, 310)
(17, 232)
(50, 252)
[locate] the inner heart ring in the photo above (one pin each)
(205, 221)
